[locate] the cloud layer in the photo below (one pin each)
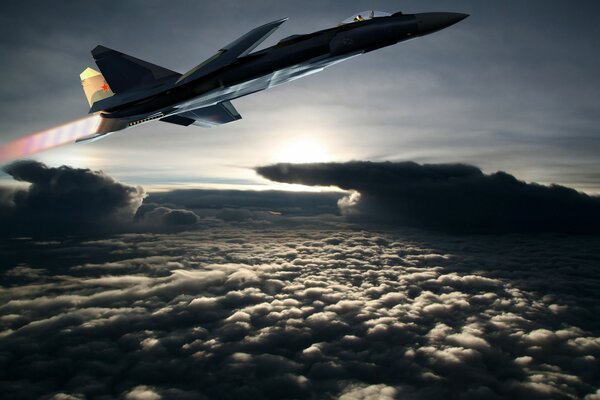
(451, 197)
(225, 295)
(276, 313)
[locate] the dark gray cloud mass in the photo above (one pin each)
(453, 197)
(155, 215)
(236, 312)
(64, 200)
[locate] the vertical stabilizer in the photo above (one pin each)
(94, 85)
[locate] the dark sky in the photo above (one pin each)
(514, 88)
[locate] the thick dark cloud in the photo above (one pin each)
(69, 201)
(66, 200)
(452, 197)
(151, 215)
(236, 312)
(62, 201)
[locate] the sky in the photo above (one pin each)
(440, 262)
(512, 88)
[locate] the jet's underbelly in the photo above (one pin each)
(261, 83)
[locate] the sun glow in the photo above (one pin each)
(302, 151)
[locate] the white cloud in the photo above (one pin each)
(372, 392)
(142, 393)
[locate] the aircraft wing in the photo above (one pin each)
(228, 54)
(207, 117)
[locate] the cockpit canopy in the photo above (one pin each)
(365, 15)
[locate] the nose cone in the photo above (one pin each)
(432, 22)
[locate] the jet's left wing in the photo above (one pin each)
(228, 54)
(207, 117)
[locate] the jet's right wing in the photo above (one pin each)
(207, 117)
(228, 54)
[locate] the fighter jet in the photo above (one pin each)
(128, 92)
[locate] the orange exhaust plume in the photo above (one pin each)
(49, 138)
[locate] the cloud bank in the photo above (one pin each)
(229, 295)
(64, 201)
(276, 313)
(450, 197)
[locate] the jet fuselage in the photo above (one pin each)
(291, 58)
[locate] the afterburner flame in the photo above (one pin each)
(44, 140)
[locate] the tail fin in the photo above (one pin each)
(94, 86)
(124, 72)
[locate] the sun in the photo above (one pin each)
(302, 151)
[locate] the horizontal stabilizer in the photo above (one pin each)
(206, 117)
(228, 54)
(123, 72)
